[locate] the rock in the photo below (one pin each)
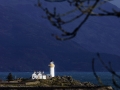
(63, 82)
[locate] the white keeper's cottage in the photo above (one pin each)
(41, 75)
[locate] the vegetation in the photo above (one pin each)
(10, 77)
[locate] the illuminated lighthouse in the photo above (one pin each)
(52, 68)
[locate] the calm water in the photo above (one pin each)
(81, 76)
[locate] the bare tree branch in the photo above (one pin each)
(95, 74)
(85, 7)
(108, 68)
(114, 74)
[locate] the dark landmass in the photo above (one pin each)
(56, 83)
(26, 43)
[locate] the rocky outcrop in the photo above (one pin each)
(68, 82)
(55, 83)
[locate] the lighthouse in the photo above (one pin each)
(52, 68)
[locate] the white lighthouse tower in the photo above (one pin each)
(52, 68)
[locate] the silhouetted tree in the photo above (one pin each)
(10, 77)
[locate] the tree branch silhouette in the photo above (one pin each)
(95, 74)
(85, 7)
(109, 68)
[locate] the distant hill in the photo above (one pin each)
(26, 43)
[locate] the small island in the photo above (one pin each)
(49, 81)
(55, 83)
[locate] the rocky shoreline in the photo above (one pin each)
(55, 83)
(57, 88)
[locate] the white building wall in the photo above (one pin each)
(44, 77)
(39, 76)
(34, 76)
(52, 71)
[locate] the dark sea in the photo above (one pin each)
(106, 77)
